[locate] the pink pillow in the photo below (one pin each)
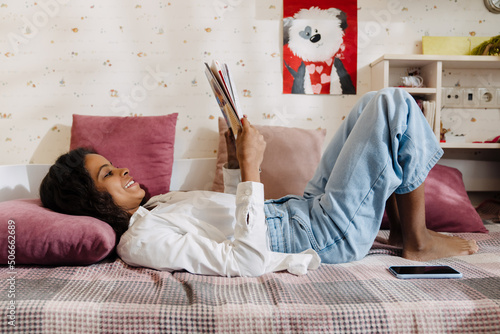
(447, 206)
(44, 237)
(144, 145)
(290, 159)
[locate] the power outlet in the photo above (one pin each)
(452, 97)
(487, 97)
(471, 99)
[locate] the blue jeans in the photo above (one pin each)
(384, 146)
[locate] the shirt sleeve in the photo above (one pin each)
(231, 177)
(152, 243)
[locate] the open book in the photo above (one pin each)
(222, 84)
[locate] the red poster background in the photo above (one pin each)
(349, 56)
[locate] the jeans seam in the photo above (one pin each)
(310, 235)
(275, 214)
(345, 233)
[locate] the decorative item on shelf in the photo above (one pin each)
(412, 81)
(451, 45)
(488, 48)
(455, 138)
(493, 141)
(413, 78)
(442, 135)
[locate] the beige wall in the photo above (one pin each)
(106, 58)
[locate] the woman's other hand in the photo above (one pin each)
(250, 147)
(232, 158)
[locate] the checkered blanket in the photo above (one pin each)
(358, 297)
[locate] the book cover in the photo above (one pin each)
(219, 77)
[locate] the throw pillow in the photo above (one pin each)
(44, 237)
(290, 159)
(144, 145)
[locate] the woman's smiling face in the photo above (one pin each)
(125, 192)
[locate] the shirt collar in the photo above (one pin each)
(141, 212)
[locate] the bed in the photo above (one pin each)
(109, 296)
(360, 297)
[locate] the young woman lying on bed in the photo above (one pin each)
(378, 159)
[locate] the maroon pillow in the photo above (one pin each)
(144, 145)
(44, 237)
(447, 206)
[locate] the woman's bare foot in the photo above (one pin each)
(406, 213)
(396, 237)
(436, 246)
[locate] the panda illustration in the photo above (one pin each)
(312, 40)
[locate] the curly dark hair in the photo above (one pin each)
(68, 188)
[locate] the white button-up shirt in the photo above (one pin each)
(208, 233)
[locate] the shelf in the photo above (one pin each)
(448, 61)
(423, 91)
(387, 70)
(470, 145)
(479, 163)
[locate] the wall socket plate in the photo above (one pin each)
(470, 97)
(487, 97)
(452, 97)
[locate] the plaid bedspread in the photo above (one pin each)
(359, 297)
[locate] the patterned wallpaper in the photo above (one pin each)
(110, 57)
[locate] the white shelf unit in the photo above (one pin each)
(387, 70)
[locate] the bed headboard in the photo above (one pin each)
(23, 181)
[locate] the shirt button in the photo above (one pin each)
(248, 192)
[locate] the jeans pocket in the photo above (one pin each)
(302, 236)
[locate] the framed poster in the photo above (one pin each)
(320, 40)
